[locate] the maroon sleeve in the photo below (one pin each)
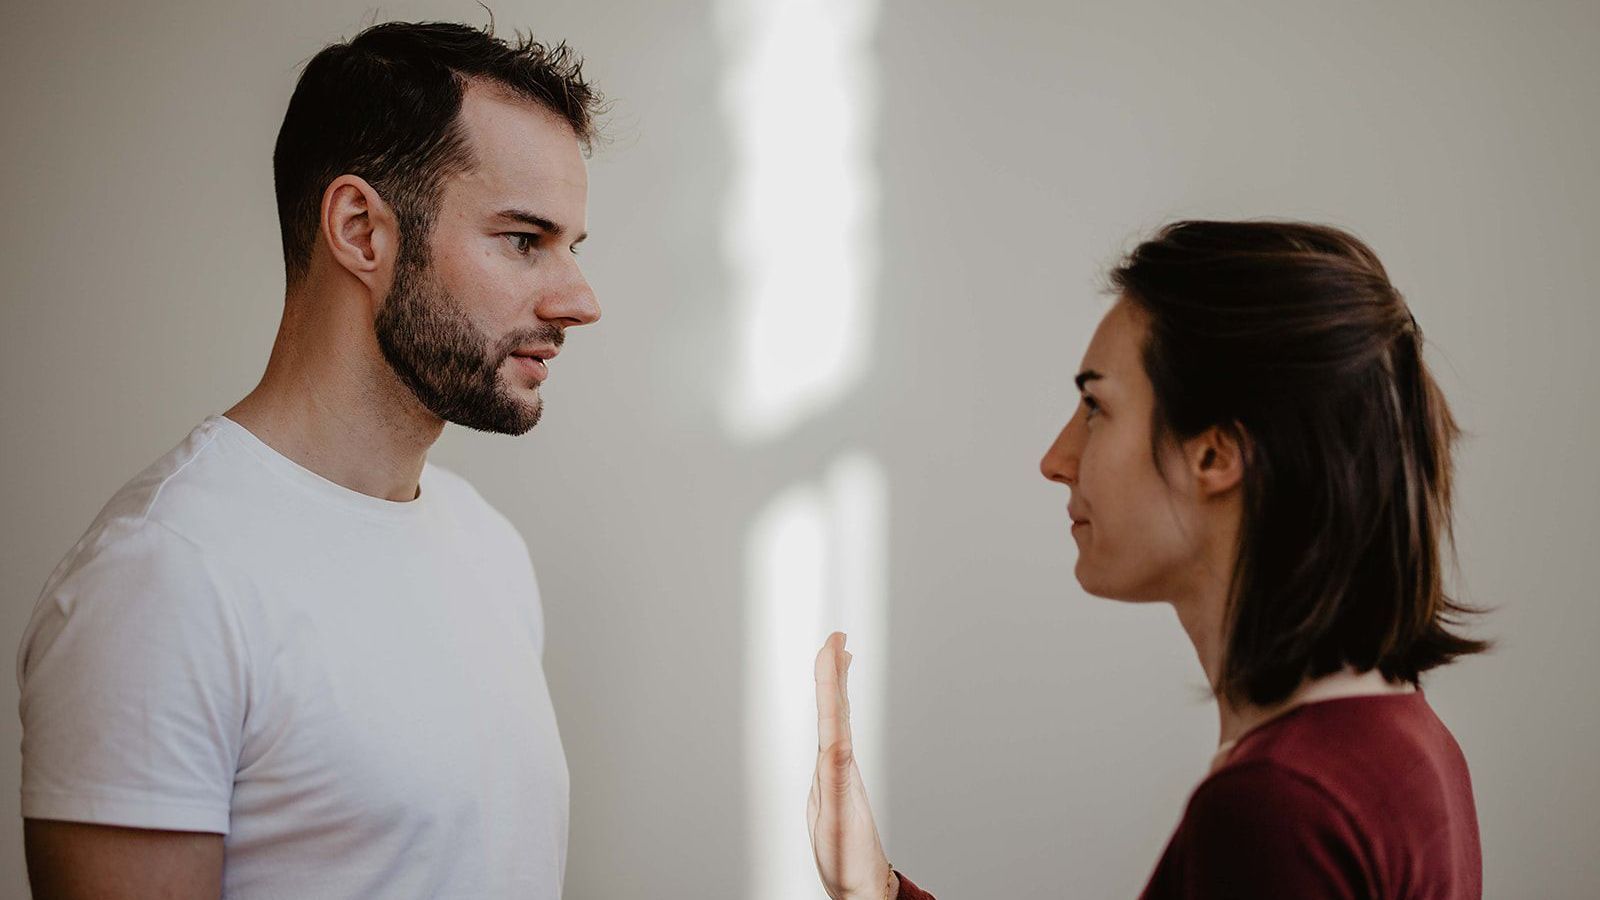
(909, 891)
(1261, 831)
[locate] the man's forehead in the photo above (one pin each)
(518, 141)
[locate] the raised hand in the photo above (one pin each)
(850, 856)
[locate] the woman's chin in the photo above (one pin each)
(1096, 585)
(1087, 580)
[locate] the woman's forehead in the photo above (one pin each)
(1114, 350)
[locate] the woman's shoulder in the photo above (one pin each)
(1291, 809)
(1354, 748)
(1343, 793)
(1258, 797)
(1257, 829)
(1378, 773)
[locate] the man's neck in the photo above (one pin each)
(330, 403)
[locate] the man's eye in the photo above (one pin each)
(522, 241)
(1092, 405)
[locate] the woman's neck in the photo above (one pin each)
(1202, 616)
(1238, 720)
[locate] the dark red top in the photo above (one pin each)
(1351, 798)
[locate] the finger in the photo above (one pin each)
(844, 691)
(814, 806)
(831, 726)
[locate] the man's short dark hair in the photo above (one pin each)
(1290, 336)
(386, 106)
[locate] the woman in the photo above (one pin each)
(1259, 444)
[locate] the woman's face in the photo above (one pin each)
(1136, 532)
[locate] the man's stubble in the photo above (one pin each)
(451, 366)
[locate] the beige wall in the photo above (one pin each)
(1034, 735)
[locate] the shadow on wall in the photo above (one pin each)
(800, 243)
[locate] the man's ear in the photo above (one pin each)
(360, 232)
(1216, 458)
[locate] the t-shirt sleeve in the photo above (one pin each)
(1262, 831)
(133, 675)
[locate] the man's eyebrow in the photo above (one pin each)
(1086, 376)
(539, 222)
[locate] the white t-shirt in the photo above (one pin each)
(350, 689)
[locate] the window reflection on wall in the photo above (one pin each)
(800, 242)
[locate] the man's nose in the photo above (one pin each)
(573, 302)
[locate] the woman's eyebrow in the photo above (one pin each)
(1086, 376)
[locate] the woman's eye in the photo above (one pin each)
(522, 241)
(1092, 405)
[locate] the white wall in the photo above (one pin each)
(1034, 735)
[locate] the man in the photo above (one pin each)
(292, 659)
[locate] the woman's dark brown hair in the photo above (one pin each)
(1291, 336)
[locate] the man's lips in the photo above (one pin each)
(534, 361)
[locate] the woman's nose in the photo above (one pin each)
(1060, 462)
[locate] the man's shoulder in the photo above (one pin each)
(150, 510)
(450, 485)
(155, 485)
(128, 575)
(467, 505)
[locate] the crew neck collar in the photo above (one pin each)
(329, 491)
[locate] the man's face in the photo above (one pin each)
(471, 328)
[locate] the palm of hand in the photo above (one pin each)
(844, 837)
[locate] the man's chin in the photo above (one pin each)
(530, 407)
(535, 413)
(528, 416)
(514, 415)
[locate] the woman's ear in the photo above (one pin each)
(360, 231)
(1216, 459)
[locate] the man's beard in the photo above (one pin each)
(451, 366)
